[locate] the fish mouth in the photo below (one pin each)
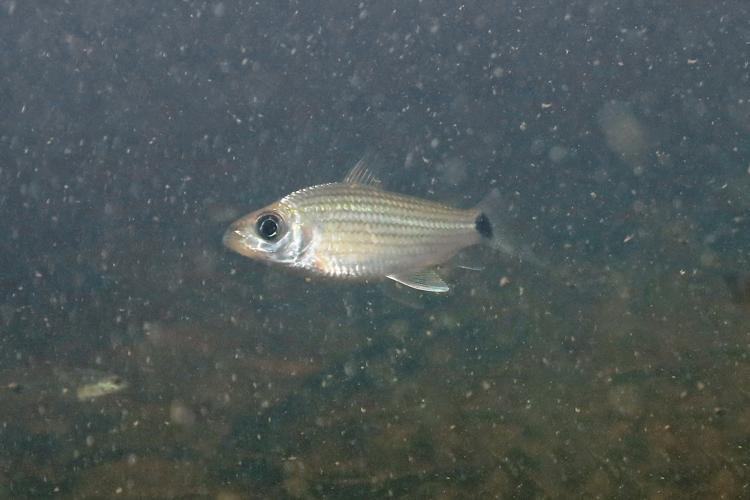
(234, 240)
(237, 240)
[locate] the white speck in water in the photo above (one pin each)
(622, 130)
(557, 153)
(180, 414)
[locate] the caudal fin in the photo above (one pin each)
(490, 224)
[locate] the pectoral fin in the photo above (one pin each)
(425, 279)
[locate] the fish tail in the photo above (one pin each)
(492, 212)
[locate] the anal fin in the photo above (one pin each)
(426, 280)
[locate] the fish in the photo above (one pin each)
(45, 382)
(98, 386)
(356, 230)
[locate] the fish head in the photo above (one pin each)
(271, 234)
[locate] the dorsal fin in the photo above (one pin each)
(361, 173)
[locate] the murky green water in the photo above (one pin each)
(140, 359)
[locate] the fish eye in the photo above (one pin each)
(268, 226)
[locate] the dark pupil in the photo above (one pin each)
(268, 227)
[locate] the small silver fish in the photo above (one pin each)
(44, 382)
(100, 386)
(356, 230)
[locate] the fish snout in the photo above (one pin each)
(234, 237)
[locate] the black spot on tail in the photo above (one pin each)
(483, 225)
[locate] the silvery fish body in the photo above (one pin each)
(354, 229)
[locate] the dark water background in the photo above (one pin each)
(131, 133)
